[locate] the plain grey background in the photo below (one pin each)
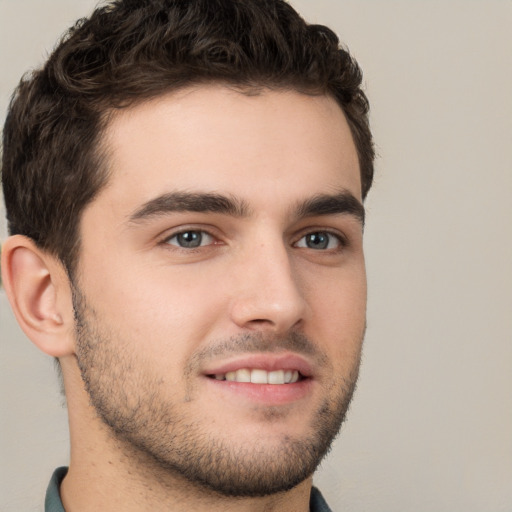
(430, 428)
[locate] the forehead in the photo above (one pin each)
(218, 139)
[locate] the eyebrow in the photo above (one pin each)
(190, 202)
(204, 202)
(324, 204)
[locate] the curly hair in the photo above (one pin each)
(129, 51)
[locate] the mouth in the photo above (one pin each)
(264, 378)
(260, 376)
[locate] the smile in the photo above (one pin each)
(259, 376)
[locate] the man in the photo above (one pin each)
(184, 185)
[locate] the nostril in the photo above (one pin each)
(260, 323)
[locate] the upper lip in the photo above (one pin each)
(262, 361)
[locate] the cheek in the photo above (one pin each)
(339, 296)
(339, 313)
(162, 310)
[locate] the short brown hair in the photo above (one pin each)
(128, 51)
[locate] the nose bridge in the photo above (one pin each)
(268, 293)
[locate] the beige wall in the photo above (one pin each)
(431, 425)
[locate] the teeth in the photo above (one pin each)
(258, 376)
(243, 375)
(276, 377)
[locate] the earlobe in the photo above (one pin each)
(38, 289)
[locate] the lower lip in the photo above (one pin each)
(268, 394)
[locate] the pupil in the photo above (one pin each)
(190, 239)
(317, 241)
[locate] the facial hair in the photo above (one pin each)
(155, 432)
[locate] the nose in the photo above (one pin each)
(267, 295)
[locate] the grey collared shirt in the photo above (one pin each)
(53, 502)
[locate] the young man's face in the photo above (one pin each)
(226, 248)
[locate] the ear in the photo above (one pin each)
(39, 291)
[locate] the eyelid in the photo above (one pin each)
(169, 234)
(338, 235)
(206, 239)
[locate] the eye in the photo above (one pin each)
(320, 240)
(190, 239)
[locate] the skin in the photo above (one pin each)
(157, 320)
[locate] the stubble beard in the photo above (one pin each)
(155, 435)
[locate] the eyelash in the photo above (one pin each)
(201, 233)
(339, 238)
